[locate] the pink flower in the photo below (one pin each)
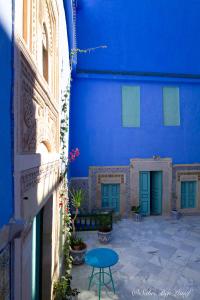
(73, 154)
(60, 204)
(77, 152)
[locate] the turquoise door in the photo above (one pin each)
(36, 249)
(144, 194)
(188, 194)
(110, 195)
(156, 193)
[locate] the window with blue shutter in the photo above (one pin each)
(188, 194)
(171, 109)
(130, 106)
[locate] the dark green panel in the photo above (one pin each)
(156, 193)
(131, 106)
(171, 109)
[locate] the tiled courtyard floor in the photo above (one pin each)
(159, 259)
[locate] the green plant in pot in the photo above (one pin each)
(105, 229)
(62, 289)
(136, 213)
(78, 247)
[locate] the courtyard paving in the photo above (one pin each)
(159, 258)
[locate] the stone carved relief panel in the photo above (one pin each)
(39, 118)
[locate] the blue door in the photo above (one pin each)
(110, 196)
(156, 193)
(144, 194)
(188, 194)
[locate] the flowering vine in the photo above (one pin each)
(65, 162)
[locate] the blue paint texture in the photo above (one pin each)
(151, 37)
(6, 157)
(96, 125)
(141, 35)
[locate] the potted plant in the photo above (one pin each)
(105, 229)
(136, 213)
(175, 214)
(62, 289)
(78, 247)
(78, 250)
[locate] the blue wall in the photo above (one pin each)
(6, 184)
(96, 124)
(141, 35)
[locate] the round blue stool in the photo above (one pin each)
(101, 258)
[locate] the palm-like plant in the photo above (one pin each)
(77, 199)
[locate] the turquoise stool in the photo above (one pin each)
(101, 258)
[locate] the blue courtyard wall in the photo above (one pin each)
(6, 158)
(96, 124)
(142, 36)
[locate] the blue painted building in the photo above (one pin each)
(135, 105)
(6, 190)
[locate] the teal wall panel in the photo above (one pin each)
(131, 106)
(171, 109)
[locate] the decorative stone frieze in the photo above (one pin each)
(103, 177)
(32, 177)
(191, 173)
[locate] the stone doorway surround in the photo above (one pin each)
(109, 175)
(191, 174)
(152, 164)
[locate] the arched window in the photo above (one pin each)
(45, 54)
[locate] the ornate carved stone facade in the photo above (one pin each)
(39, 118)
(39, 49)
(37, 96)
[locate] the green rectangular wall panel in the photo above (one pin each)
(131, 106)
(171, 109)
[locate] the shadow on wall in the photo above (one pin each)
(26, 133)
